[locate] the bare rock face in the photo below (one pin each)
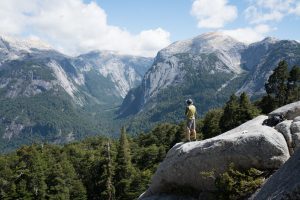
(289, 111)
(194, 164)
(290, 128)
(295, 132)
(283, 184)
(285, 128)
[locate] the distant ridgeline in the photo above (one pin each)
(50, 97)
(46, 96)
(209, 69)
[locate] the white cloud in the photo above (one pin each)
(262, 11)
(213, 13)
(249, 34)
(75, 27)
(296, 9)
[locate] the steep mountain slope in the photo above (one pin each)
(200, 68)
(46, 95)
(125, 72)
(262, 57)
(208, 68)
(212, 53)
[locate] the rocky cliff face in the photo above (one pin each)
(207, 68)
(120, 71)
(183, 64)
(283, 184)
(44, 92)
(250, 145)
(168, 68)
(260, 58)
(124, 71)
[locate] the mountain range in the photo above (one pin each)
(48, 96)
(208, 68)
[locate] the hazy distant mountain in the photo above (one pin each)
(46, 95)
(124, 71)
(208, 68)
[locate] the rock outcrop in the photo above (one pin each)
(290, 128)
(285, 128)
(284, 184)
(289, 111)
(195, 164)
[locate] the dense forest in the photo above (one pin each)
(107, 168)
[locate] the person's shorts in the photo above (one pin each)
(191, 124)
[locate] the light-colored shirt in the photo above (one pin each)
(190, 112)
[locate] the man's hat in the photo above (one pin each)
(189, 101)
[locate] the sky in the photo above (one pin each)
(143, 27)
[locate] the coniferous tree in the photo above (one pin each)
(57, 184)
(31, 173)
(107, 175)
(230, 116)
(293, 85)
(237, 111)
(267, 104)
(211, 122)
(22, 191)
(124, 169)
(247, 110)
(76, 189)
(277, 83)
(7, 185)
(37, 177)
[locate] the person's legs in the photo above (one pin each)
(194, 135)
(193, 126)
(188, 130)
(188, 135)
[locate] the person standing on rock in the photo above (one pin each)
(190, 113)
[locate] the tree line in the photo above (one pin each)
(120, 169)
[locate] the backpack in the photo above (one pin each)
(274, 120)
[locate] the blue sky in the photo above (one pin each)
(143, 27)
(174, 16)
(137, 15)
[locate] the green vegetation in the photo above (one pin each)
(45, 112)
(44, 117)
(236, 112)
(103, 168)
(237, 184)
(99, 167)
(96, 168)
(108, 168)
(283, 87)
(210, 126)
